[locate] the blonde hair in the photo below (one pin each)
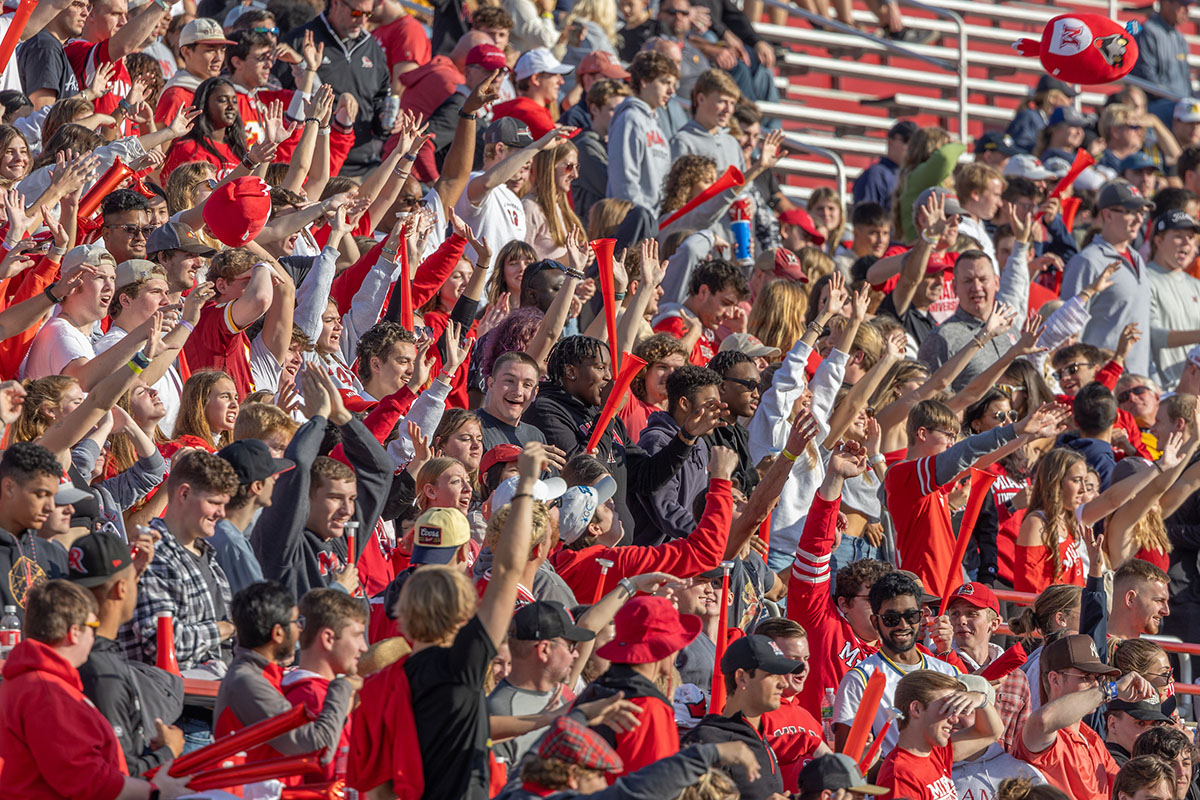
(183, 182)
(556, 205)
(712, 785)
(824, 194)
(777, 316)
(601, 12)
(539, 533)
(39, 393)
(1115, 115)
(815, 262)
(435, 602)
(430, 471)
(920, 686)
(260, 420)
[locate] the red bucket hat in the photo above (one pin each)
(237, 211)
(649, 629)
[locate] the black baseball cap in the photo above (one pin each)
(1048, 82)
(757, 652)
(904, 129)
(508, 130)
(177, 236)
(835, 771)
(96, 557)
(1176, 220)
(996, 142)
(542, 620)
(251, 459)
(1145, 710)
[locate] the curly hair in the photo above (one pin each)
(572, 350)
(377, 342)
(205, 471)
(689, 176)
(513, 334)
(183, 182)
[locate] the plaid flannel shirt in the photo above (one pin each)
(173, 582)
(1012, 696)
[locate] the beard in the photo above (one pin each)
(899, 646)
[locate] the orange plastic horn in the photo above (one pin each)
(20, 19)
(604, 262)
(732, 177)
(630, 367)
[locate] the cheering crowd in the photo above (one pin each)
(466, 377)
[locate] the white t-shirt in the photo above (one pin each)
(850, 692)
(169, 386)
(57, 344)
(500, 218)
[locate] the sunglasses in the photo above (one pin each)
(1069, 370)
(93, 624)
(1006, 416)
(1124, 396)
(1010, 388)
(354, 12)
(135, 230)
(747, 384)
(892, 618)
(676, 12)
(272, 31)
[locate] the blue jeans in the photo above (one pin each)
(851, 549)
(197, 732)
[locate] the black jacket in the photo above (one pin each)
(567, 423)
(736, 438)
(112, 686)
(25, 562)
(358, 67)
(1183, 531)
(287, 550)
(717, 728)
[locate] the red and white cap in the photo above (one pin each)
(237, 211)
(977, 594)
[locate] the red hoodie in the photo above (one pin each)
(54, 744)
(701, 551)
(383, 736)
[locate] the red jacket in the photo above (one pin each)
(703, 550)
(794, 735)
(54, 744)
(426, 279)
(14, 290)
(383, 736)
(835, 647)
(302, 687)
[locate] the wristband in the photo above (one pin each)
(154, 790)
(125, 106)
(190, 327)
(388, 252)
(165, 6)
(10, 245)
(547, 15)
(141, 359)
(312, 119)
(618, 295)
(1110, 691)
(1157, 466)
(788, 456)
(574, 273)
(49, 292)
(978, 341)
(627, 585)
(927, 239)
(409, 157)
(248, 164)
(815, 327)
(134, 368)
(55, 250)
(323, 131)
(522, 494)
(876, 459)
(465, 115)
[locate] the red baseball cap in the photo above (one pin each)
(600, 62)
(977, 594)
(782, 263)
(237, 211)
(500, 454)
(801, 218)
(649, 629)
(487, 56)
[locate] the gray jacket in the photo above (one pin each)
(639, 157)
(953, 335)
(1126, 301)
(693, 139)
(1162, 58)
(123, 490)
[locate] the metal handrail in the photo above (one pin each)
(960, 68)
(1150, 88)
(957, 19)
(839, 165)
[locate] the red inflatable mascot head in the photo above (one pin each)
(1084, 48)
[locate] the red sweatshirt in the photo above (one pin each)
(383, 736)
(834, 645)
(703, 550)
(794, 735)
(427, 279)
(54, 744)
(1108, 375)
(16, 289)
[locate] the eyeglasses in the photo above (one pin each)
(1069, 370)
(952, 436)
(892, 618)
(1086, 677)
(299, 622)
(1003, 416)
(1124, 396)
(135, 230)
(676, 12)
(747, 384)
(272, 31)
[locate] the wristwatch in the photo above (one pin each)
(465, 115)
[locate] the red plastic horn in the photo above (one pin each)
(245, 739)
(630, 367)
(732, 177)
(980, 483)
(271, 769)
(1070, 207)
(406, 303)
(334, 790)
(20, 19)
(716, 697)
(1083, 160)
(604, 262)
(108, 183)
(164, 644)
(865, 715)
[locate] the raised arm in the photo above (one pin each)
(550, 328)
(456, 167)
(508, 167)
(856, 399)
(1041, 729)
(128, 37)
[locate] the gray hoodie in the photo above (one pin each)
(639, 156)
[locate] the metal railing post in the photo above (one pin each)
(839, 166)
(957, 19)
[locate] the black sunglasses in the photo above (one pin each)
(1069, 370)
(747, 384)
(1124, 396)
(892, 618)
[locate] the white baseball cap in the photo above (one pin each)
(549, 489)
(579, 504)
(538, 60)
(1188, 109)
(1024, 165)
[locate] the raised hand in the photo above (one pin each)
(1022, 225)
(1105, 279)
(193, 304)
(321, 103)
(185, 117)
(316, 400)
(457, 349)
(277, 130)
(833, 297)
(771, 150)
(484, 94)
(1130, 335)
(804, 430)
(1172, 452)
(19, 221)
(12, 399)
(722, 461)
(1044, 421)
(1000, 320)
(346, 111)
(932, 216)
(98, 85)
(313, 54)
(532, 461)
(72, 279)
(1031, 332)
(652, 270)
(848, 459)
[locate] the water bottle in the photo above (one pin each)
(10, 630)
(827, 717)
(391, 112)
